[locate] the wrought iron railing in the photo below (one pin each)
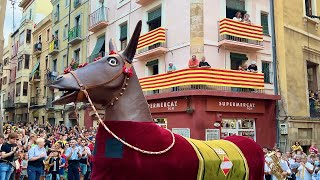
(53, 46)
(8, 104)
(98, 16)
(74, 33)
(34, 101)
(37, 47)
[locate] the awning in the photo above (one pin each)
(238, 57)
(152, 63)
(35, 67)
(99, 44)
(154, 15)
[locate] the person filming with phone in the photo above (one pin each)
(7, 153)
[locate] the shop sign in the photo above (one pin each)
(235, 105)
(177, 105)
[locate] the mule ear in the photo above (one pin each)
(130, 50)
(112, 46)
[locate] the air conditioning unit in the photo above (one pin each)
(283, 129)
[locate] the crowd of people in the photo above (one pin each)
(295, 164)
(52, 153)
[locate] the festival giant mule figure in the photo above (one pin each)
(129, 145)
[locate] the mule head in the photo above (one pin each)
(102, 79)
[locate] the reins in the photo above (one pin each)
(84, 91)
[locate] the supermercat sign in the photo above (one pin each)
(176, 105)
(235, 105)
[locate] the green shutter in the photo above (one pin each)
(154, 15)
(266, 72)
(152, 63)
(123, 32)
(236, 4)
(264, 23)
(240, 57)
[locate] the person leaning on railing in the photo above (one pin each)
(203, 63)
(171, 67)
(193, 62)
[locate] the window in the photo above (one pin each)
(233, 6)
(264, 23)
(123, 35)
(21, 38)
(67, 3)
(77, 55)
(64, 59)
(238, 126)
(312, 76)
(266, 72)
(65, 31)
(212, 134)
(25, 89)
(154, 19)
(162, 122)
(185, 132)
(39, 38)
(20, 59)
(4, 80)
(308, 5)
(153, 67)
(26, 61)
(18, 89)
(54, 65)
(47, 59)
(77, 21)
(56, 33)
(48, 34)
(28, 40)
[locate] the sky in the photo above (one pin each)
(8, 22)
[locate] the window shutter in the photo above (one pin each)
(154, 15)
(123, 32)
(264, 23)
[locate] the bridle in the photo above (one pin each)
(83, 90)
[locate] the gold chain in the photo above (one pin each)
(121, 140)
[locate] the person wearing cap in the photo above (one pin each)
(171, 67)
(253, 67)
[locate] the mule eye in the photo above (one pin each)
(113, 61)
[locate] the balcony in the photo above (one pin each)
(76, 3)
(98, 20)
(54, 47)
(36, 76)
(152, 44)
(95, 56)
(37, 48)
(50, 77)
(203, 79)
(34, 101)
(144, 2)
(56, 17)
(74, 35)
(236, 35)
(8, 104)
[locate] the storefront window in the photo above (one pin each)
(241, 127)
(212, 134)
(162, 122)
(185, 132)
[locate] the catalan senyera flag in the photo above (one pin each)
(241, 30)
(153, 37)
(203, 76)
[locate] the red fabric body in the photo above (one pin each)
(181, 162)
(253, 153)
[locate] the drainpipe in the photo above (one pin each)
(274, 54)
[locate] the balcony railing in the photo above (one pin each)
(98, 19)
(74, 35)
(37, 48)
(50, 77)
(8, 104)
(76, 3)
(49, 104)
(96, 56)
(54, 47)
(34, 101)
(37, 76)
(240, 35)
(152, 43)
(204, 79)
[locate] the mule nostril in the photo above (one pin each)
(59, 78)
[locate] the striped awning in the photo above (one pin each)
(241, 30)
(207, 76)
(153, 37)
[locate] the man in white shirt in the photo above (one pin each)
(305, 170)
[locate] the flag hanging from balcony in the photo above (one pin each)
(241, 30)
(153, 37)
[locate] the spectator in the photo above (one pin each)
(1, 140)
(193, 62)
(85, 153)
(313, 148)
(73, 156)
(24, 166)
(305, 170)
(243, 67)
(203, 63)
(238, 16)
(296, 147)
(54, 164)
(8, 150)
(62, 165)
(246, 19)
(253, 67)
(37, 154)
(171, 67)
